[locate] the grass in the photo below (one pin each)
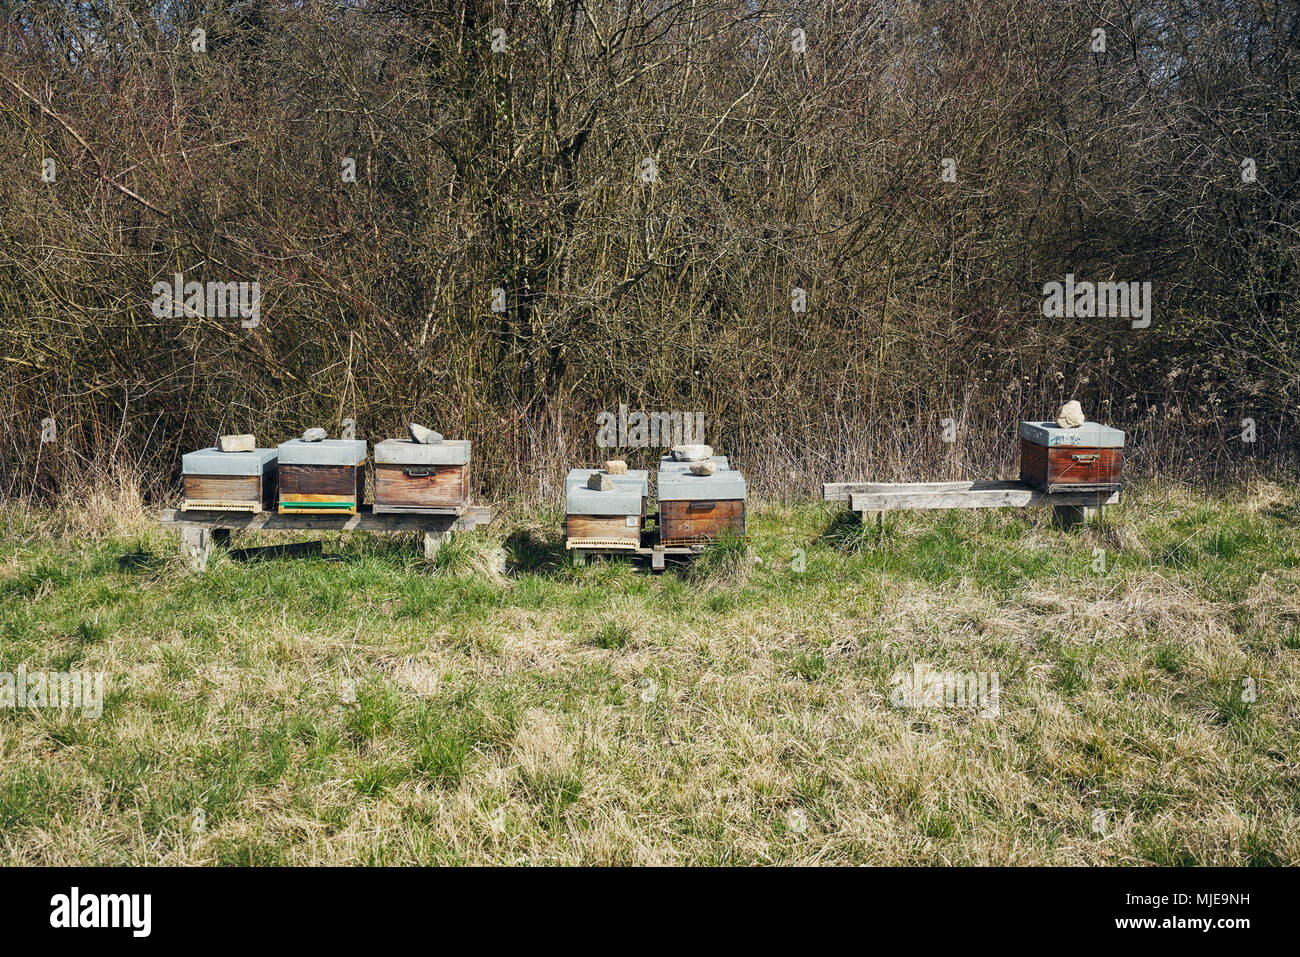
(507, 706)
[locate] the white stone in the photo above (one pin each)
(616, 467)
(424, 436)
(314, 435)
(1070, 416)
(706, 467)
(236, 443)
(692, 453)
(600, 481)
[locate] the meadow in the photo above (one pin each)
(502, 705)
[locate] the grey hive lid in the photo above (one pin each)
(620, 500)
(668, 464)
(638, 478)
(408, 452)
(1089, 434)
(683, 485)
(324, 452)
(214, 462)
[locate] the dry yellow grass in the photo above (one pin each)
(595, 715)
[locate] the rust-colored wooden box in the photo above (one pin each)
(414, 477)
(327, 477)
(1084, 458)
(699, 508)
(229, 481)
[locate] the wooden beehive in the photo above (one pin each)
(1085, 458)
(322, 477)
(229, 481)
(414, 477)
(608, 519)
(694, 509)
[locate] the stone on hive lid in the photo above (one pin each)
(616, 467)
(705, 467)
(1070, 416)
(236, 443)
(600, 482)
(314, 435)
(424, 436)
(692, 453)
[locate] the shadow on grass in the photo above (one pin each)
(267, 552)
(1288, 512)
(847, 532)
(537, 552)
(726, 560)
(140, 560)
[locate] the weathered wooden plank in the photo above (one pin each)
(841, 491)
(998, 494)
(364, 520)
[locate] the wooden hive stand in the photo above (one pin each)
(871, 499)
(201, 529)
(647, 547)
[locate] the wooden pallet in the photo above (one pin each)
(657, 553)
(201, 529)
(871, 499)
(649, 546)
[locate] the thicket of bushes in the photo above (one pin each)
(648, 183)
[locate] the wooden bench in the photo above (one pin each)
(200, 529)
(871, 499)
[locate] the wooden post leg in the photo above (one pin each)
(1069, 516)
(579, 557)
(871, 515)
(432, 542)
(196, 546)
(657, 560)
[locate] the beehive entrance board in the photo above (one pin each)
(608, 519)
(229, 481)
(326, 476)
(699, 508)
(1085, 458)
(413, 477)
